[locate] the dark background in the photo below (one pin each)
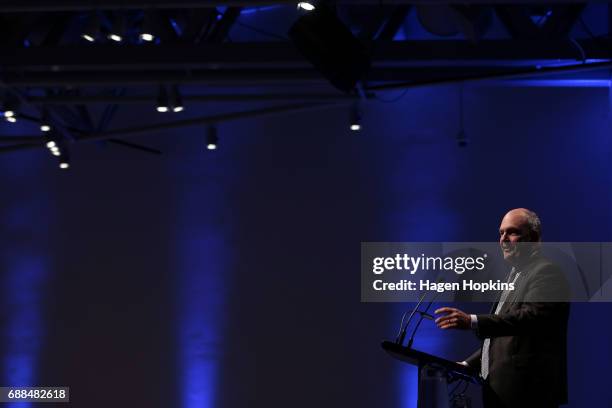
(231, 278)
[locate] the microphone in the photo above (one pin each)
(404, 329)
(424, 315)
(402, 333)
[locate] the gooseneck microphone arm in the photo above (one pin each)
(402, 333)
(423, 315)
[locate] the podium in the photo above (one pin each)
(434, 374)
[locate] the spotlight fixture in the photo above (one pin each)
(91, 31)
(162, 99)
(148, 27)
(11, 107)
(355, 122)
(45, 123)
(176, 102)
(212, 140)
(330, 46)
(64, 159)
(147, 37)
(51, 144)
(306, 5)
(119, 28)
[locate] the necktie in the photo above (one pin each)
(486, 345)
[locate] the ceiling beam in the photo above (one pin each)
(214, 98)
(74, 5)
(278, 54)
(245, 77)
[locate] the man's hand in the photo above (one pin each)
(453, 319)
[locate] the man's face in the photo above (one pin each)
(513, 229)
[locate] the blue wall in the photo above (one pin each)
(230, 278)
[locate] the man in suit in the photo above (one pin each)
(522, 359)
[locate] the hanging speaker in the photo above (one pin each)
(330, 47)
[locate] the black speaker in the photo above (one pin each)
(331, 47)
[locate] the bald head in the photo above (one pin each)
(528, 221)
(519, 225)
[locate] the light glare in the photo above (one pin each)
(147, 37)
(304, 5)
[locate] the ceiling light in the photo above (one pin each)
(149, 26)
(355, 120)
(162, 99)
(10, 107)
(91, 30)
(51, 144)
(147, 37)
(119, 27)
(212, 140)
(176, 101)
(64, 165)
(304, 5)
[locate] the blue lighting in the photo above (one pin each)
(252, 10)
(202, 267)
(23, 285)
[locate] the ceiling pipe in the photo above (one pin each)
(216, 98)
(518, 74)
(135, 131)
(79, 5)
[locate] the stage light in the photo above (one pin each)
(355, 120)
(162, 99)
(45, 123)
(91, 31)
(305, 5)
(56, 152)
(176, 101)
(119, 27)
(212, 140)
(330, 46)
(64, 165)
(10, 107)
(51, 144)
(148, 27)
(147, 37)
